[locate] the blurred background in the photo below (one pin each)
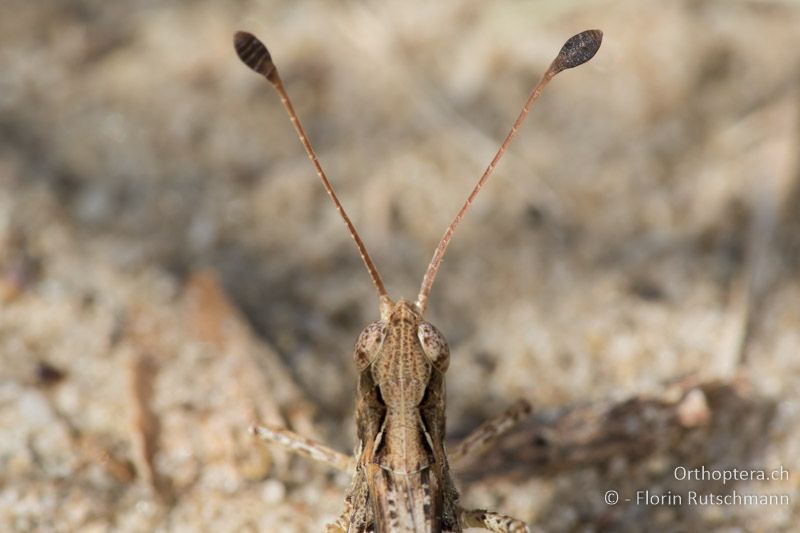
(171, 269)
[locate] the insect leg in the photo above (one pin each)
(484, 435)
(342, 523)
(336, 527)
(492, 521)
(305, 447)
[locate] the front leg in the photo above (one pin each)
(492, 521)
(478, 441)
(345, 523)
(357, 514)
(305, 447)
(487, 433)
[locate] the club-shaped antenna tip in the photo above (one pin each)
(578, 50)
(254, 54)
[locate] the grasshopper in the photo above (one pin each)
(401, 477)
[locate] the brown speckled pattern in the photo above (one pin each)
(434, 345)
(401, 374)
(369, 344)
(401, 362)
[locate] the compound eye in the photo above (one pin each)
(434, 345)
(369, 344)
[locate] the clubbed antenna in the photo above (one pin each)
(255, 55)
(577, 50)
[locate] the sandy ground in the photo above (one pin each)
(171, 269)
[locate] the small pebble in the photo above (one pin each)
(273, 491)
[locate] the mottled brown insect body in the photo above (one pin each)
(401, 361)
(401, 477)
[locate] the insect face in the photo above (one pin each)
(402, 318)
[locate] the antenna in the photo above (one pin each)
(255, 55)
(577, 50)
